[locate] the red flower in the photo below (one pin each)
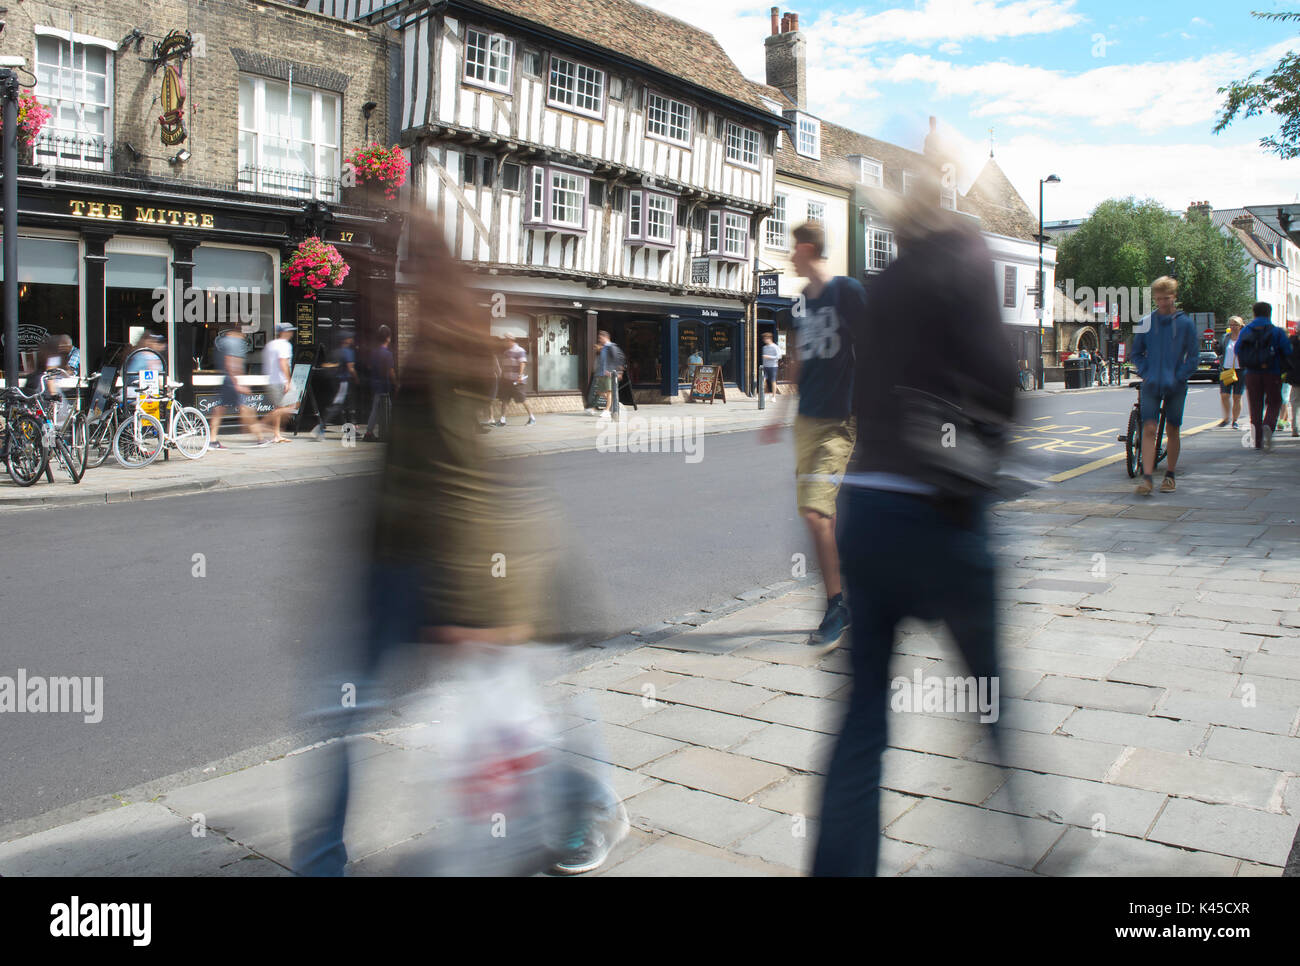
(315, 265)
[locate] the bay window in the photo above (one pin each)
(288, 148)
(728, 234)
(558, 199)
(651, 218)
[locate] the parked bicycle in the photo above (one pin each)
(141, 437)
(1026, 377)
(41, 427)
(24, 446)
(1132, 440)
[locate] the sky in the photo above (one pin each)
(1115, 97)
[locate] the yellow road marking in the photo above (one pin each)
(1115, 458)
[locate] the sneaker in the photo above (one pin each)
(1234, 425)
(833, 626)
(605, 415)
(601, 830)
(590, 412)
(1222, 423)
(1144, 488)
(214, 444)
(265, 442)
(501, 421)
(319, 433)
(1167, 485)
(531, 421)
(1268, 439)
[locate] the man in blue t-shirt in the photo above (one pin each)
(824, 318)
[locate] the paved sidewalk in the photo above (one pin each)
(1151, 681)
(303, 458)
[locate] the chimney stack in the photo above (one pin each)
(1244, 222)
(776, 13)
(1199, 208)
(787, 56)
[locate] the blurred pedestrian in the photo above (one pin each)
(383, 382)
(277, 359)
(910, 499)
(229, 351)
(345, 368)
(513, 363)
(822, 366)
(1231, 381)
(610, 363)
(1292, 376)
(771, 354)
(1261, 347)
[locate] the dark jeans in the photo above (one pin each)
(902, 556)
(1263, 389)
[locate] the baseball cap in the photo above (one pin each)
(284, 327)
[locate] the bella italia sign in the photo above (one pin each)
(107, 211)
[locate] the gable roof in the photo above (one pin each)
(999, 206)
(1254, 248)
(638, 33)
(1223, 217)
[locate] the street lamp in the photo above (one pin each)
(9, 93)
(1050, 179)
(1169, 260)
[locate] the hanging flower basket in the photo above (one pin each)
(32, 117)
(378, 166)
(315, 265)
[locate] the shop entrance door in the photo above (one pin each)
(334, 316)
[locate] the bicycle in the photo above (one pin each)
(1026, 377)
(24, 445)
(140, 437)
(1132, 439)
(62, 432)
(187, 427)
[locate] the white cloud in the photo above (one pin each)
(950, 48)
(939, 20)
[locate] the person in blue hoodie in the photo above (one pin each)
(1165, 352)
(1260, 350)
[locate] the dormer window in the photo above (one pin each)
(488, 59)
(808, 140)
(872, 173)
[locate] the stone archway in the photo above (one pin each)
(1086, 338)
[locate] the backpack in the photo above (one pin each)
(1256, 348)
(618, 358)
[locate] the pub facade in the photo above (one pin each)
(183, 162)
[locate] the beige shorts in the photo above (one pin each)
(822, 450)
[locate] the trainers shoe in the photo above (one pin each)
(1234, 425)
(1268, 439)
(501, 421)
(605, 415)
(531, 421)
(264, 442)
(601, 830)
(1167, 485)
(318, 432)
(1222, 423)
(590, 412)
(214, 444)
(833, 626)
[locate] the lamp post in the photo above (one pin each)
(1050, 179)
(9, 94)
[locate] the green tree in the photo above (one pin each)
(1124, 243)
(1277, 93)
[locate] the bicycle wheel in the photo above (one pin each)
(100, 442)
(25, 453)
(1161, 451)
(77, 434)
(138, 441)
(1133, 444)
(190, 432)
(63, 454)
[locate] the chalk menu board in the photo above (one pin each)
(707, 384)
(297, 386)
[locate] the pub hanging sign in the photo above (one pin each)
(170, 53)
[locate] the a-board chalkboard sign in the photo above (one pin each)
(707, 384)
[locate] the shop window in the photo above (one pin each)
(74, 81)
(642, 346)
(130, 305)
(690, 349)
(233, 286)
(288, 146)
(49, 296)
(720, 349)
(559, 353)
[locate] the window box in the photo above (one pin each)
(557, 199)
(668, 120)
(651, 219)
(576, 87)
(488, 60)
(742, 146)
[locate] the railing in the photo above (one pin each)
(288, 183)
(57, 150)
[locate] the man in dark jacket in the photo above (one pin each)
(1165, 352)
(914, 540)
(1261, 347)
